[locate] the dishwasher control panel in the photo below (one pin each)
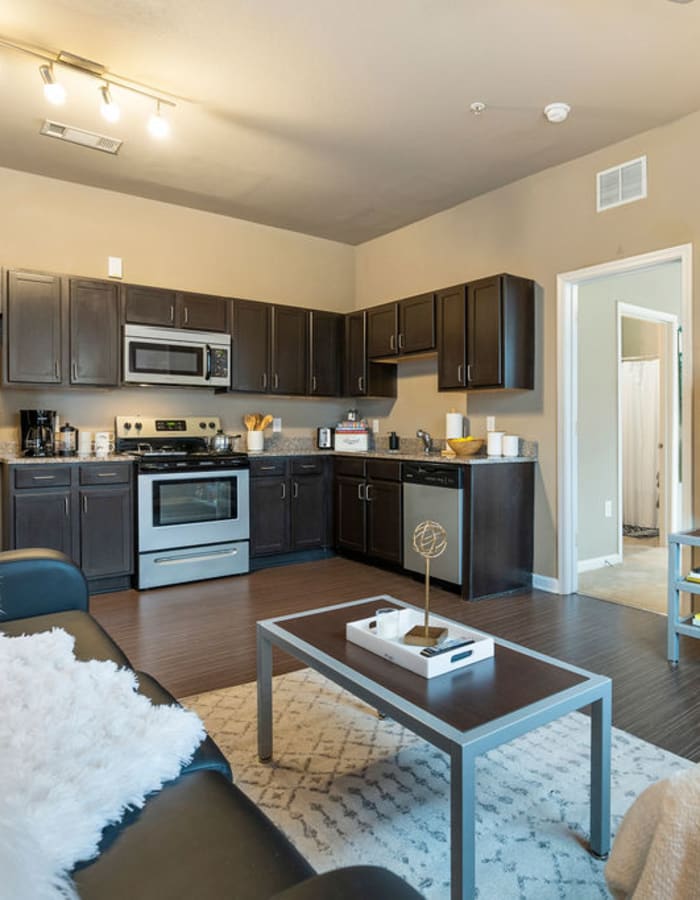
(434, 474)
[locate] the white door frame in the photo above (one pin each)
(668, 427)
(567, 368)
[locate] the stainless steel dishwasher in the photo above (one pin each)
(434, 491)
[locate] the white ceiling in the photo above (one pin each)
(345, 119)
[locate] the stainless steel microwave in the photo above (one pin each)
(171, 356)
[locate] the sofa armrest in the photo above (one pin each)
(37, 582)
(368, 882)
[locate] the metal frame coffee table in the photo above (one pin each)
(465, 713)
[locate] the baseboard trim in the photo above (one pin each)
(545, 583)
(599, 562)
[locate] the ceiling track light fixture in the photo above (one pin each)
(55, 93)
(557, 112)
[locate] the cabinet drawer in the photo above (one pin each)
(268, 467)
(307, 465)
(48, 475)
(352, 468)
(105, 473)
(384, 469)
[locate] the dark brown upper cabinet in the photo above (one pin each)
(486, 335)
(33, 328)
(362, 377)
(270, 348)
(94, 332)
(405, 327)
(174, 309)
(325, 353)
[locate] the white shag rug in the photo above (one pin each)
(78, 746)
(347, 787)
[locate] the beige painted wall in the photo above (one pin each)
(538, 227)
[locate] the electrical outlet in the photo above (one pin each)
(277, 423)
(114, 266)
(608, 509)
(375, 426)
(490, 423)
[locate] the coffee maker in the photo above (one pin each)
(36, 431)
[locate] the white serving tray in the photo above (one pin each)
(409, 655)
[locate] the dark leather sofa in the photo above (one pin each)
(200, 836)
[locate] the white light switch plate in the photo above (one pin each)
(277, 424)
(490, 423)
(375, 426)
(114, 266)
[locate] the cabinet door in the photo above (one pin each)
(43, 519)
(94, 333)
(355, 355)
(308, 512)
(106, 533)
(33, 328)
(350, 527)
(385, 520)
(150, 306)
(251, 346)
(484, 334)
(325, 353)
(202, 313)
(452, 338)
(417, 324)
(290, 353)
(269, 516)
(382, 326)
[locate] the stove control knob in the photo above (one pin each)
(202, 424)
(138, 426)
(212, 425)
(127, 426)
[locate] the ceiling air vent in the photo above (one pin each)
(622, 184)
(84, 138)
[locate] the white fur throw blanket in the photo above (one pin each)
(656, 854)
(78, 746)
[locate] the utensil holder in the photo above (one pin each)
(256, 440)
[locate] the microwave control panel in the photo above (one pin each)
(219, 362)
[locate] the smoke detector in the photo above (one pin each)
(557, 112)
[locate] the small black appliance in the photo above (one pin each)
(37, 431)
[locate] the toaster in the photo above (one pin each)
(324, 438)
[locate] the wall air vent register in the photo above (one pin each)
(622, 184)
(79, 136)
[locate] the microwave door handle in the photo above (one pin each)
(207, 376)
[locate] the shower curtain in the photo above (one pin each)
(640, 442)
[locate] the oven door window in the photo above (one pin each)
(148, 358)
(188, 501)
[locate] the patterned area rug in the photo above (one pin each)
(348, 787)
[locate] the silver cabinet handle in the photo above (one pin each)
(391, 342)
(368, 493)
(264, 380)
(314, 384)
(267, 468)
(361, 383)
(401, 342)
(106, 474)
(295, 490)
(187, 316)
(469, 373)
(361, 491)
(84, 503)
(65, 506)
(74, 367)
(460, 374)
(275, 381)
(43, 477)
(284, 490)
(307, 466)
(56, 370)
(172, 312)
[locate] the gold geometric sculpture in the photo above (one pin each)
(430, 541)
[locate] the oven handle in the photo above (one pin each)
(207, 377)
(211, 554)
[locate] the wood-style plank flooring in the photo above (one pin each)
(201, 636)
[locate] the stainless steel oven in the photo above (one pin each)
(173, 356)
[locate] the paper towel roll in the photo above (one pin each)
(454, 425)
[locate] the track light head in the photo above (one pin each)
(158, 125)
(53, 91)
(108, 107)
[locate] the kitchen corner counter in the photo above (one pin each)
(479, 459)
(12, 460)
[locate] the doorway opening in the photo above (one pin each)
(627, 297)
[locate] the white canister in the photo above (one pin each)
(85, 443)
(494, 443)
(256, 440)
(511, 444)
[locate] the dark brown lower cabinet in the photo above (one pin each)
(369, 508)
(85, 510)
(288, 505)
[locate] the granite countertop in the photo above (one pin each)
(12, 459)
(479, 459)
